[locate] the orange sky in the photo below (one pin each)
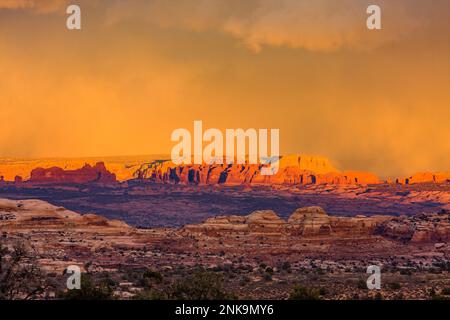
(375, 101)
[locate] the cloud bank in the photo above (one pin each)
(321, 25)
(39, 6)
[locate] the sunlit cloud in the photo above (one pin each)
(140, 69)
(40, 6)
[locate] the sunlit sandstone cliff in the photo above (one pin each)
(422, 177)
(122, 167)
(293, 169)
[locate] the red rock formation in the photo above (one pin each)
(314, 221)
(424, 177)
(420, 228)
(310, 221)
(304, 222)
(294, 170)
(86, 174)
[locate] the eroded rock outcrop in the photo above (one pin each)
(426, 177)
(315, 222)
(419, 228)
(293, 170)
(310, 221)
(304, 222)
(87, 174)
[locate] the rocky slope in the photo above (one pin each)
(261, 256)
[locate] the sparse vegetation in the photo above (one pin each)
(152, 275)
(361, 284)
(395, 286)
(20, 277)
(304, 293)
(201, 285)
(446, 291)
(90, 290)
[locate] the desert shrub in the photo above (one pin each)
(286, 266)
(244, 281)
(153, 275)
(323, 291)
(267, 277)
(399, 296)
(304, 293)
(406, 272)
(446, 291)
(320, 271)
(20, 278)
(201, 285)
(89, 290)
(378, 296)
(394, 285)
(361, 284)
(151, 294)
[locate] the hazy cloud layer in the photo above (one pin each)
(375, 101)
(315, 25)
(322, 25)
(41, 6)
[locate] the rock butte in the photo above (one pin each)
(87, 174)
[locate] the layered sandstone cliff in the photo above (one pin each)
(419, 228)
(315, 222)
(123, 167)
(308, 221)
(426, 177)
(293, 170)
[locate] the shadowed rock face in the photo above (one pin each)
(293, 170)
(87, 174)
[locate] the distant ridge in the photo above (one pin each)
(294, 169)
